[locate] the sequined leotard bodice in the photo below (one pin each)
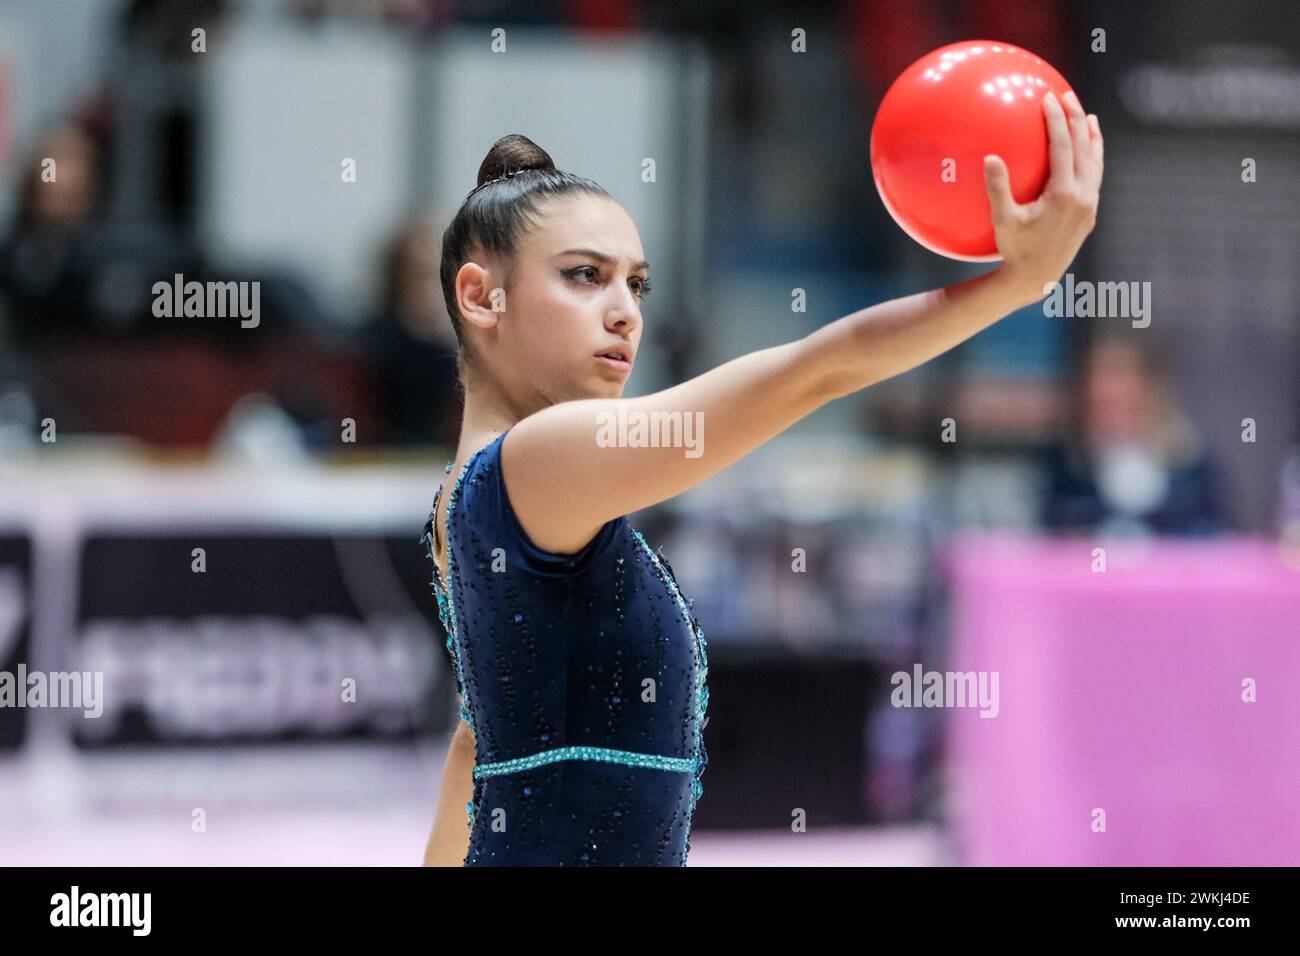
(583, 678)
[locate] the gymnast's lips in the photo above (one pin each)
(617, 357)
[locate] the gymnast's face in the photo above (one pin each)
(578, 278)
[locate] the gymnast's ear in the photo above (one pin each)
(479, 294)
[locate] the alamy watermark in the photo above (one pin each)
(83, 689)
(211, 300)
(1101, 300)
(922, 688)
(638, 429)
(75, 908)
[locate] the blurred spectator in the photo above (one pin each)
(44, 274)
(412, 346)
(1131, 462)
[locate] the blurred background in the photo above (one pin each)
(223, 519)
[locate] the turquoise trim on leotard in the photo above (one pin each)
(601, 754)
(701, 698)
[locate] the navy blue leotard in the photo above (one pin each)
(583, 678)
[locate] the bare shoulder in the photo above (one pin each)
(541, 500)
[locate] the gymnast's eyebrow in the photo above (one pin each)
(601, 257)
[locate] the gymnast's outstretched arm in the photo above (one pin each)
(564, 485)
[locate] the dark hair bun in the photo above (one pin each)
(513, 153)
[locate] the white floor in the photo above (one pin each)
(330, 806)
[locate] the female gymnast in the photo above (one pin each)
(581, 669)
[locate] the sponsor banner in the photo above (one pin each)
(208, 637)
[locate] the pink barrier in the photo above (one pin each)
(1123, 691)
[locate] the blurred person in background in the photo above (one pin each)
(411, 344)
(44, 272)
(1131, 462)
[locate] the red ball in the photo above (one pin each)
(938, 121)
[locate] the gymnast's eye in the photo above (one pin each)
(572, 274)
(643, 289)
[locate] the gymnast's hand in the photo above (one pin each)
(1039, 240)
